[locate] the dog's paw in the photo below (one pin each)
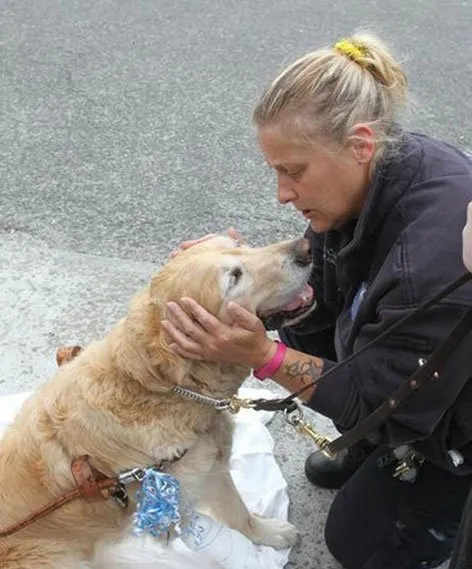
(272, 532)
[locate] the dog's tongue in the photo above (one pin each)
(302, 299)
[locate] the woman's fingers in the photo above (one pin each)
(206, 320)
(184, 353)
(191, 242)
(243, 318)
(195, 333)
(180, 342)
(186, 323)
(236, 236)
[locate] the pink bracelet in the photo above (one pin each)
(273, 364)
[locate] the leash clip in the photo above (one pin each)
(295, 418)
(235, 404)
(129, 476)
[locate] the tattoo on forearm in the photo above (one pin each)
(305, 372)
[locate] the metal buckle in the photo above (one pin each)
(295, 418)
(130, 476)
(409, 463)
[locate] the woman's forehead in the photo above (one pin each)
(278, 148)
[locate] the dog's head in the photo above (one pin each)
(269, 281)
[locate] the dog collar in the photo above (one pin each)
(232, 404)
(220, 404)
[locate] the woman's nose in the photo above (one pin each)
(285, 193)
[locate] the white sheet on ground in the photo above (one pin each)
(255, 473)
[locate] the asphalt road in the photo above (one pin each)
(125, 128)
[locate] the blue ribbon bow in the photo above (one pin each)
(158, 504)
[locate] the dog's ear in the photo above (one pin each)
(172, 368)
(141, 349)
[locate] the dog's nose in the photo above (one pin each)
(302, 252)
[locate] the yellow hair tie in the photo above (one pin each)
(351, 50)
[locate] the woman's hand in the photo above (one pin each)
(196, 334)
(187, 244)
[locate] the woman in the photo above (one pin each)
(385, 208)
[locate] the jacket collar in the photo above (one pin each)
(393, 176)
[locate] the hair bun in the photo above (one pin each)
(351, 50)
(374, 56)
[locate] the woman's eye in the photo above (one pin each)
(295, 173)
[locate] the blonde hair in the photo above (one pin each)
(327, 92)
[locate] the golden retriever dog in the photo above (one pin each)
(114, 402)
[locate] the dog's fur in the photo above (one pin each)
(114, 403)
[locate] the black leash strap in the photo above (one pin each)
(429, 372)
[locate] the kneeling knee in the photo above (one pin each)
(336, 533)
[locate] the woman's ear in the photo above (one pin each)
(362, 143)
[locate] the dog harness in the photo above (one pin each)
(90, 484)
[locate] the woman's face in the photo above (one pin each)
(328, 187)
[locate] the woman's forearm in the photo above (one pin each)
(297, 371)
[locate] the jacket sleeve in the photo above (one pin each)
(352, 392)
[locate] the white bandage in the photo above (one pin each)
(226, 546)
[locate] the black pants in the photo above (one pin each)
(462, 554)
(379, 522)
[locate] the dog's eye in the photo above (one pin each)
(235, 276)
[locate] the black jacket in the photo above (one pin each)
(405, 246)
